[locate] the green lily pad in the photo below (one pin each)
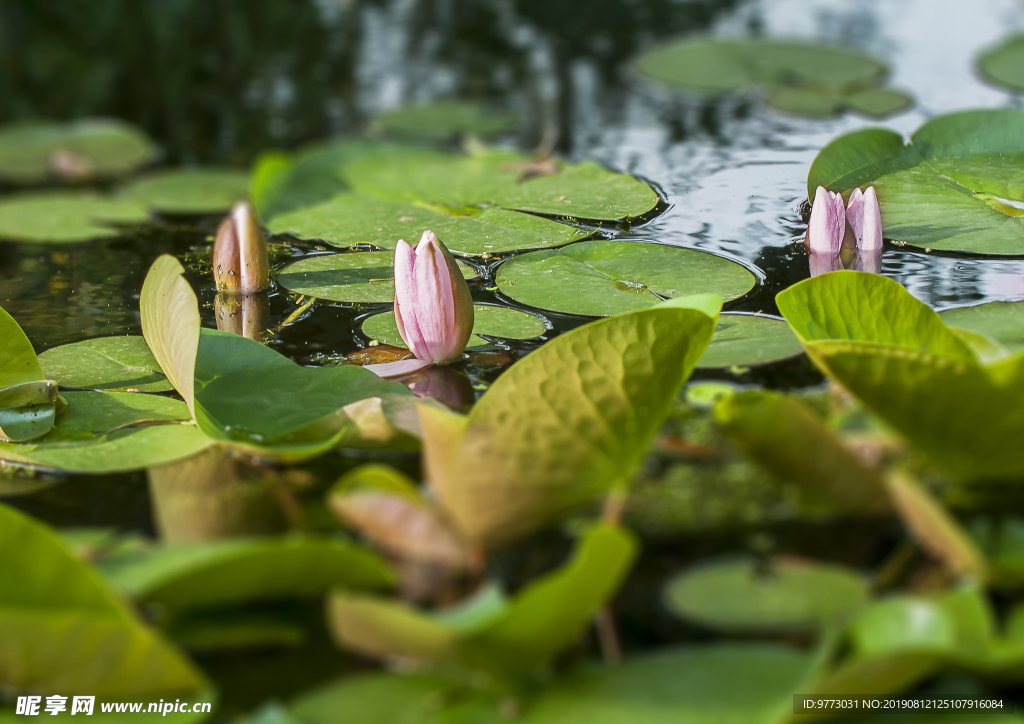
(792, 596)
(1004, 64)
(34, 152)
(896, 356)
(65, 217)
(1001, 321)
(500, 178)
(349, 219)
(211, 574)
(957, 186)
(599, 278)
(444, 120)
(488, 320)
(366, 277)
(28, 401)
(61, 629)
(114, 364)
(802, 78)
(189, 191)
(744, 340)
(102, 432)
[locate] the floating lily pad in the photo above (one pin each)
(608, 277)
(103, 432)
(488, 320)
(189, 191)
(803, 78)
(957, 186)
(1002, 321)
(33, 152)
(114, 364)
(65, 217)
(500, 178)
(349, 219)
(444, 119)
(743, 340)
(360, 278)
(1004, 64)
(735, 596)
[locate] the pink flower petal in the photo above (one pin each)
(827, 226)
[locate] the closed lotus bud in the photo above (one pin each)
(827, 226)
(240, 253)
(433, 306)
(865, 219)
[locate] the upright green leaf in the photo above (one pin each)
(170, 324)
(62, 630)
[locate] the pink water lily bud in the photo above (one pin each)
(240, 253)
(865, 219)
(827, 226)
(433, 306)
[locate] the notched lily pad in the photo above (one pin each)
(65, 217)
(37, 151)
(115, 364)
(600, 278)
(744, 340)
(189, 191)
(802, 78)
(488, 320)
(956, 186)
(356, 278)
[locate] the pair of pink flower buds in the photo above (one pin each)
(433, 306)
(830, 220)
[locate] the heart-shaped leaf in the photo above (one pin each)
(63, 217)
(114, 364)
(188, 191)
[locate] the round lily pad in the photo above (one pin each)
(444, 119)
(36, 151)
(114, 364)
(364, 277)
(488, 320)
(792, 596)
(802, 78)
(1002, 321)
(189, 191)
(600, 278)
(1004, 64)
(956, 186)
(59, 216)
(348, 219)
(744, 340)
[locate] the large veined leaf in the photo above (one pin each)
(568, 421)
(664, 687)
(802, 78)
(506, 638)
(170, 324)
(230, 572)
(957, 186)
(103, 432)
(608, 277)
(114, 364)
(188, 191)
(249, 393)
(791, 595)
(62, 630)
(796, 446)
(32, 152)
(895, 354)
(488, 320)
(65, 217)
(1004, 64)
(364, 277)
(349, 219)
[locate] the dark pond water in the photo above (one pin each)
(217, 83)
